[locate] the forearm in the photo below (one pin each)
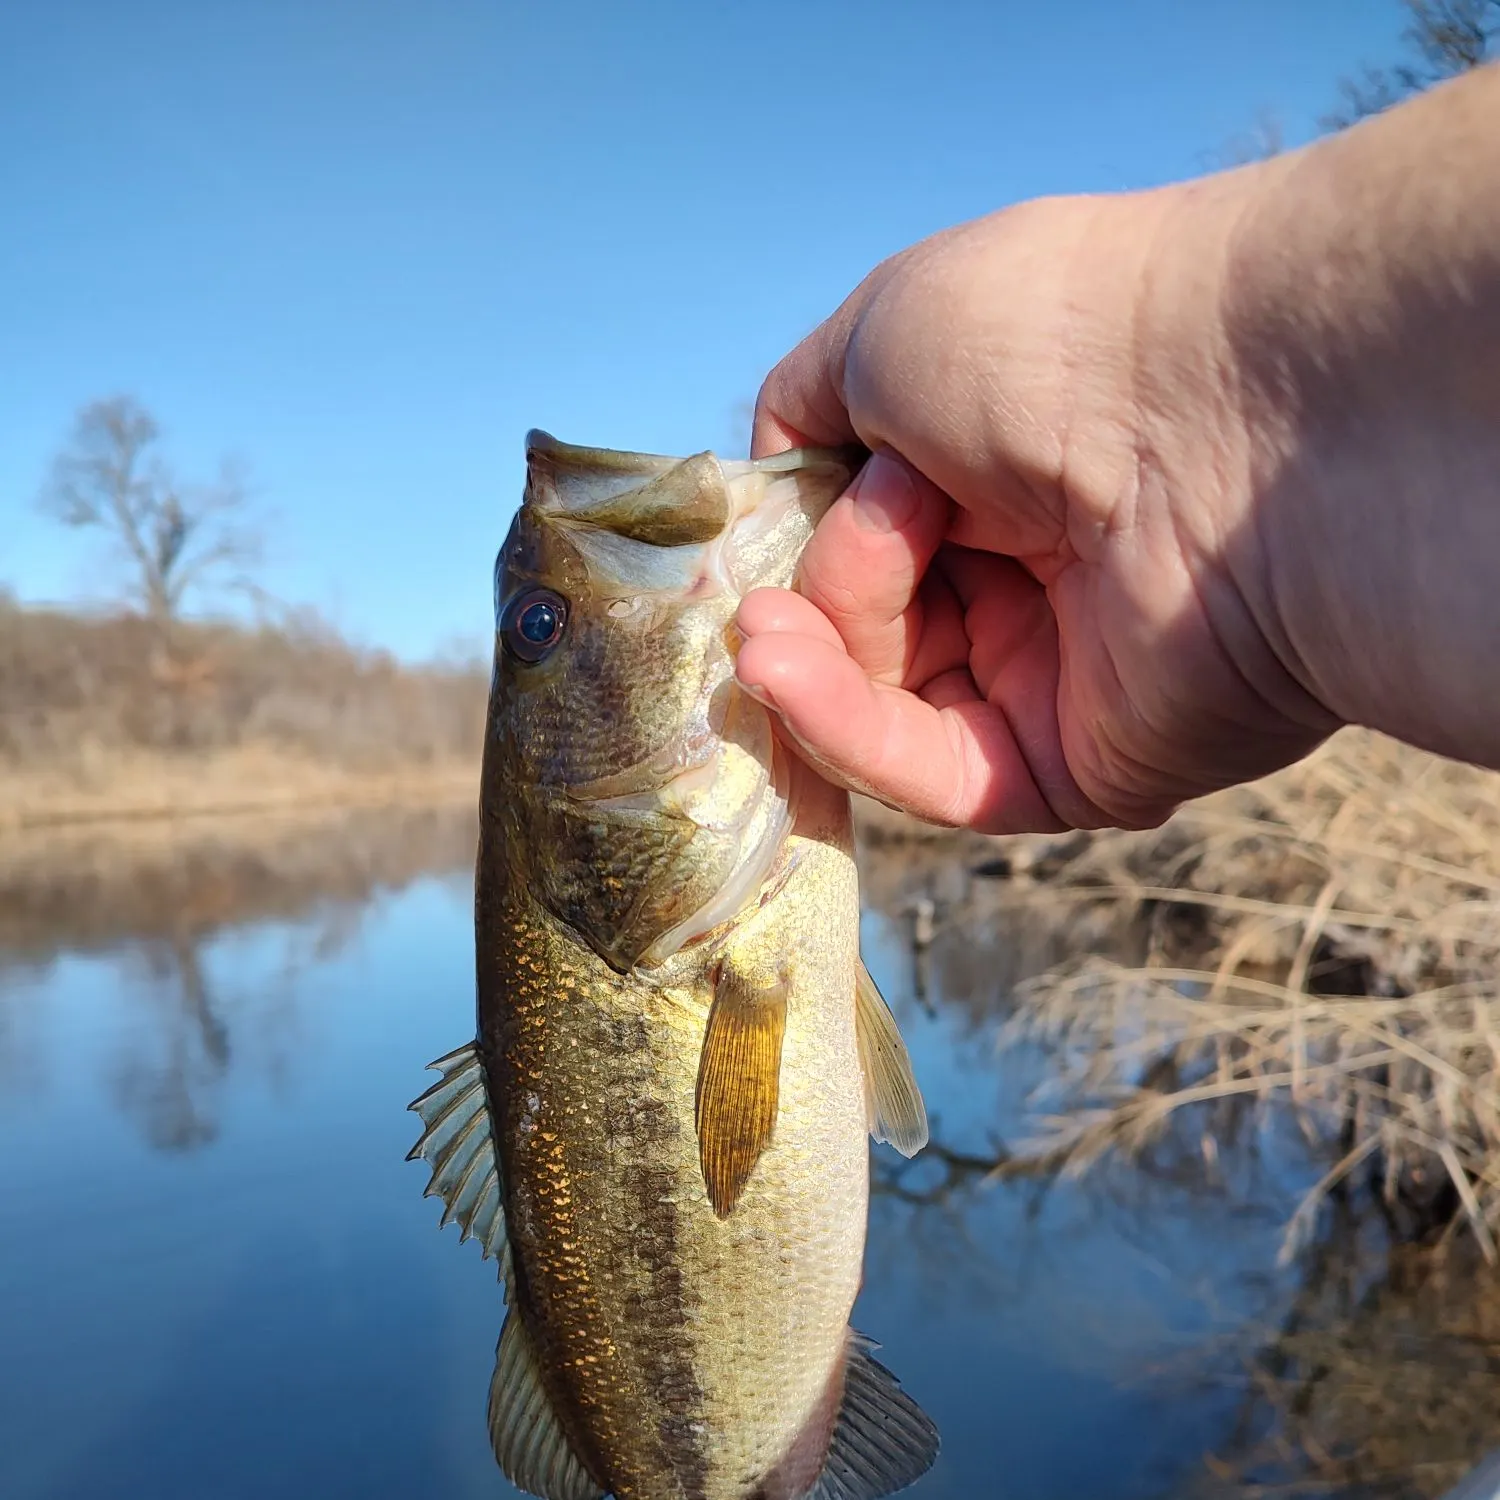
(1362, 318)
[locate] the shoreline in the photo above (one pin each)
(120, 794)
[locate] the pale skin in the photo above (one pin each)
(1168, 486)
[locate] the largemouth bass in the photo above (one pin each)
(660, 1130)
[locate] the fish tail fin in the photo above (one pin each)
(882, 1440)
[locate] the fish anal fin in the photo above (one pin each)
(530, 1445)
(882, 1440)
(739, 1080)
(457, 1142)
(893, 1101)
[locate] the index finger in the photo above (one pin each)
(801, 402)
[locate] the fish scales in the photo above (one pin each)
(661, 1129)
(678, 1327)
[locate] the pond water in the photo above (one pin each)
(219, 1279)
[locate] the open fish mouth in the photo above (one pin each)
(688, 528)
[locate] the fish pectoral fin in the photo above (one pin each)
(530, 1445)
(893, 1101)
(739, 1081)
(459, 1144)
(882, 1440)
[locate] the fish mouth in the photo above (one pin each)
(642, 531)
(618, 469)
(690, 527)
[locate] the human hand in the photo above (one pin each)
(1041, 604)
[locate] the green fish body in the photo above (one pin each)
(661, 1127)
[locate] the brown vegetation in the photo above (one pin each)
(1328, 938)
(1442, 39)
(112, 713)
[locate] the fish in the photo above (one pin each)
(660, 1129)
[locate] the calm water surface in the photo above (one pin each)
(218, 1277)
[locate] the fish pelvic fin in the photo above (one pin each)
(893, 1101)
(739, 1081)
(530, 1445)
(882, 1440)
(457, 1141)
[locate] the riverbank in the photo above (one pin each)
(1326, 939)
(121, 787)
(111, 718)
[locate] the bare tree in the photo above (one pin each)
(175, 537)
(1443, 39)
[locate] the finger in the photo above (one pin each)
(957, 765)
(764, 610)
(944, 641)
(1003, 605)
(1015, 658)
(801, 402)
(866, 559)
(950, 689)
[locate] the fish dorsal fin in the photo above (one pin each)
(459, 1145)
(530, 1445)
(893, 1101)
(882, 1441)
(739, 1081)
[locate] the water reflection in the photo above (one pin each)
(155, 913)
(168, 1087)
(218, 1277)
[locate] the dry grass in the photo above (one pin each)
(108, 714)
(1329, 937)
(154, 791)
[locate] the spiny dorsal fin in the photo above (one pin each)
(882, 1441)
(739, 1082)
(530, 1445)
(458, 1143)
(893, 1101)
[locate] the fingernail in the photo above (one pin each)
(761, 694)
(884, 495)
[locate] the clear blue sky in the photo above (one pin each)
(367, 244)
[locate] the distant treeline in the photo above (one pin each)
(75, 685)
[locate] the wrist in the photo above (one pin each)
(1361, 318)
(1196, 453)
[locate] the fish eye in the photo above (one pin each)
(533, 624)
